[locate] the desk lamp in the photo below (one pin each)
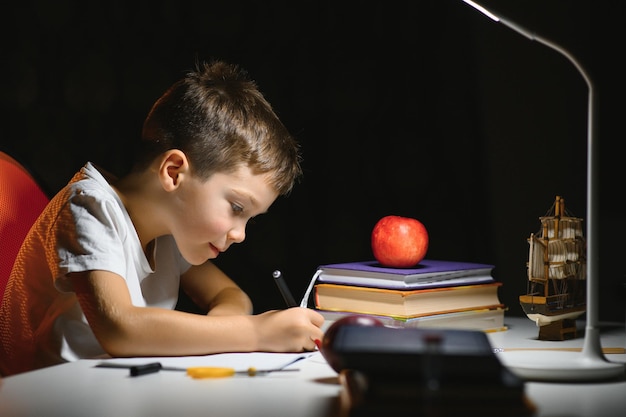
(590, 364)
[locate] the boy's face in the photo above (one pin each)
(213, 214)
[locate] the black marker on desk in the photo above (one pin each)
(149, 368)
(284, 290)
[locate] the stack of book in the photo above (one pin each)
(435, 293)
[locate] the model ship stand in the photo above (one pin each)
(558, 330)
(556, 289)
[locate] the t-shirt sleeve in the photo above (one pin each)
(89, 235)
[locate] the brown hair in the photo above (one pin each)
(218, 117)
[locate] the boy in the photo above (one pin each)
(98, 274)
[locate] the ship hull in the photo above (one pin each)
(543, 314)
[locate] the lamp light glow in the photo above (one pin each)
(590, 364)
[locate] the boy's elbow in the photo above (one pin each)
(116, 344)
(117, 335)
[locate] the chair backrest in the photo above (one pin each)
(21, 201)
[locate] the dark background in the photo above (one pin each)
(425, 109)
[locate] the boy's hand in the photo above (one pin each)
(293, 330)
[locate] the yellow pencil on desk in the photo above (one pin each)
(219, 372)
(194, 371)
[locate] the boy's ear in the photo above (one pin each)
(174, 166)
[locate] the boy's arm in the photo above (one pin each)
(127, 330)
(214, 292)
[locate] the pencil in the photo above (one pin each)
(284, 290)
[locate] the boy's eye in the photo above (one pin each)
(236, 208)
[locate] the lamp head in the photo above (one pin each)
(482, 10)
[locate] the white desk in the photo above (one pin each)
(78, 389)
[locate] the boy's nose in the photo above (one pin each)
(237, 234)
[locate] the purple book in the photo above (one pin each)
(428, 273)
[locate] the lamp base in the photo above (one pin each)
(560, 366)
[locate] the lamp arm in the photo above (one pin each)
(592, 346)
(591, 343)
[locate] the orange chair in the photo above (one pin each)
(22, 199)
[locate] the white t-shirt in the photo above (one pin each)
(85, 227)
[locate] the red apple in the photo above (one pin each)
(329, 336)
(399, 242)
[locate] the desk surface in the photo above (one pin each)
(79, 389)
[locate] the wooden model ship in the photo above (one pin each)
(556, 289)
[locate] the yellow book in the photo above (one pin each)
(404, 304)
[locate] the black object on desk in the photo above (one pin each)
(148, 368)
(438, 372)
(138, 370)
